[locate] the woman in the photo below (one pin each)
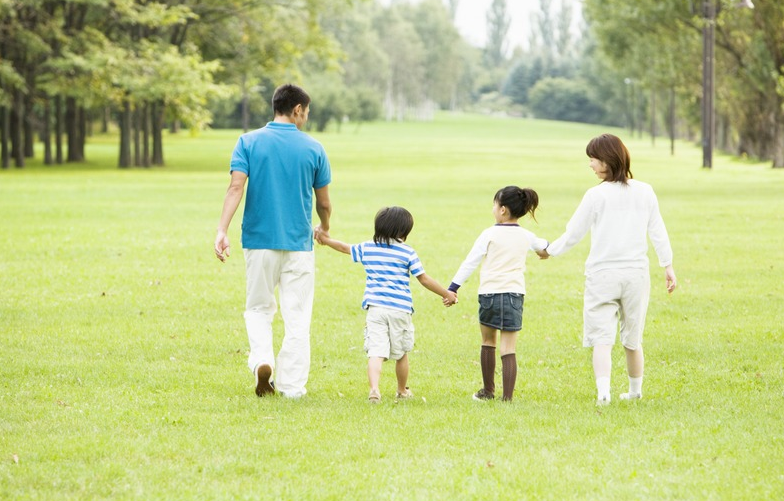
(620, 212)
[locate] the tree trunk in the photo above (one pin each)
(58, 129)
(137, 150)
(671, 120)
(82, 121)
(5, 123)
(74, 127)
(29, 116)
(778, 140)
(105, 117)
(653, 117)
(125, 135)
(29, 130)
(146, 135)
(245, 104)
(157, 133)
(46, 131)
(17, 127)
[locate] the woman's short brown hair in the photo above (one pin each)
(611, 150)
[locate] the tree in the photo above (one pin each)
(661, 41)
(498, 22)
(562, 99)
(405, 55)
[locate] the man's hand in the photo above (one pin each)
(222, 246)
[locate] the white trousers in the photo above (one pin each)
(293, 273)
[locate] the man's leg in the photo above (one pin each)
(297, 280)
(262, 269)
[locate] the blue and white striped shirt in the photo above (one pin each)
(388, 268)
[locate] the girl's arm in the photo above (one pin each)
(471, 262)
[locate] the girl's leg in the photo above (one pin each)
(635, 365)
(602, 367)
(401, 370)
(487, 358)
(508, 362)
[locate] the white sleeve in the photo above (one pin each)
(657, 232)
(473, 260)
(576, 228)
(537, 243)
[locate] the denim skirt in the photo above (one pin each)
(503, 311)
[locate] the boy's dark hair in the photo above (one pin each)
(519, 201)
(611, 150)
(287, 97)
(392, 223)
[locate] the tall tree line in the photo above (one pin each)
(658, 44)
(66, 64)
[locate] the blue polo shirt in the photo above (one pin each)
(284, 165)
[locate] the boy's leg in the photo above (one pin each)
(401, 371)
(487, 357)
(296, 308)
(508, 363)
(374, 372)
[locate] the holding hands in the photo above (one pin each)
(320, 235)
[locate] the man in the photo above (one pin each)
(283, 167)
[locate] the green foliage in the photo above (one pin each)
(498, 22)
(659, 44)
(124, 348)
(562, 99)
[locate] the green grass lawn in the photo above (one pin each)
(123, 347)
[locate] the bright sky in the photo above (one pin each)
(471, 19)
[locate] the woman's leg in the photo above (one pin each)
(602, 367)
(635, 365)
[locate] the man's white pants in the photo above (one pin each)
(293, 273)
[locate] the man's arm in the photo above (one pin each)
(323, 209)
(230, 204)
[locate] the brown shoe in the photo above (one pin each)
(263, 385)
(405, 395)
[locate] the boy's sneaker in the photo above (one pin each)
(374, 397)
(603, 400)
(404, 395)
(263, 383)
(483, 395)
(630, 396)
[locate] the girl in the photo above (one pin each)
(620, 211)
(388, 262)
(503, 248)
